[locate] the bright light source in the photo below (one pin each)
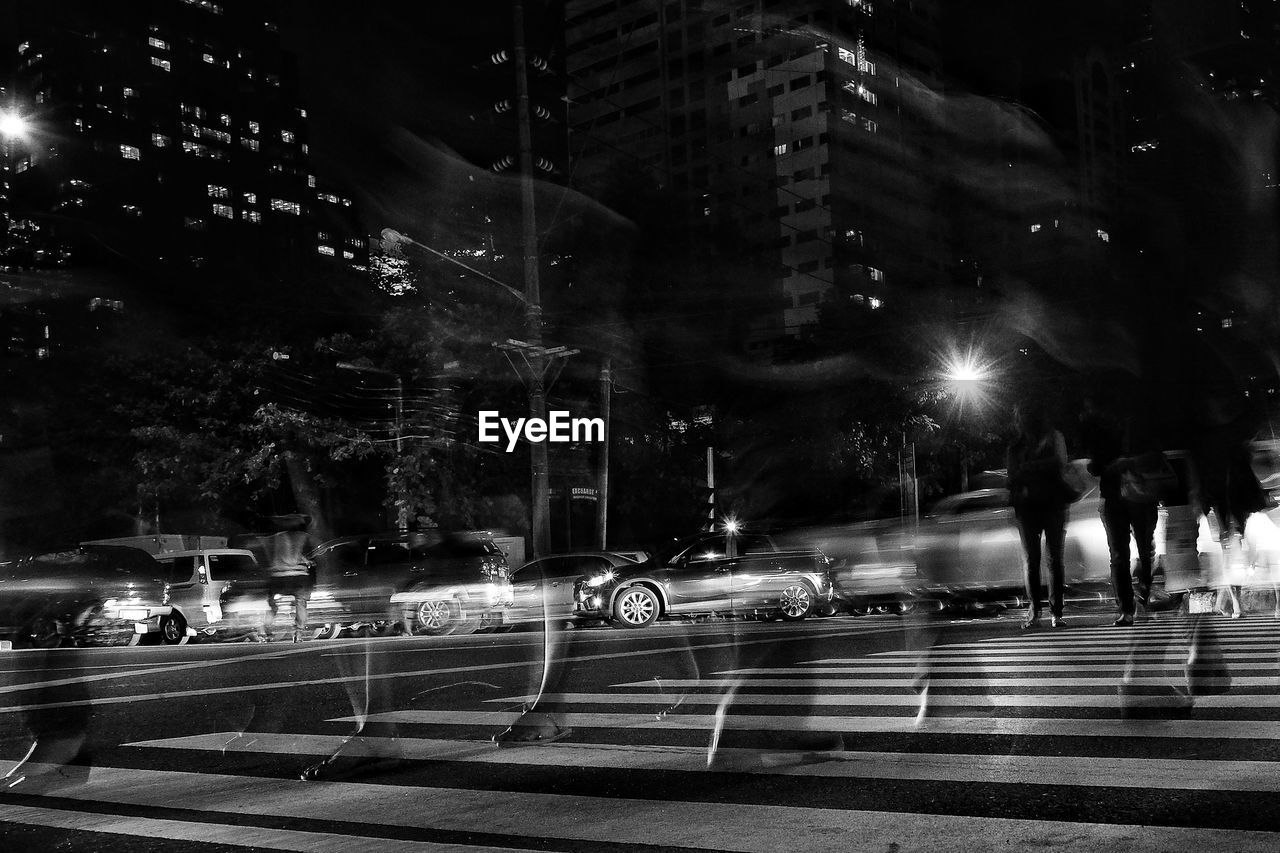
(965, 367)
(13, 126)
(731, 525)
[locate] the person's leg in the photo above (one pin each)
(1143, 518)
(1030, 525)
(1115, 520)
(1055, 537)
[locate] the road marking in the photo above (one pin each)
(749, 828)
(174, 667)
(1082, 771)
(340, 679)
(908, 682)
(211, 833)
(1009, 655)
(1020, 726)
(891, 700)
(873, 667)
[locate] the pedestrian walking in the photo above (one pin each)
(290, 572)
(1123, 512)
(1039, 496)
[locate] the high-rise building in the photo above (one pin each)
(788, 123)
(164, 135)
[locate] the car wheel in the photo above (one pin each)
(326, 631)
(41, 633)
(796, 602)
(173, 629)
(635, 607)
(439, 617)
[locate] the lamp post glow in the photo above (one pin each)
(13, 126)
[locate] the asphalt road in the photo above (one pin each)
(1025, 742)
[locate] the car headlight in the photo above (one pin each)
(600, 579)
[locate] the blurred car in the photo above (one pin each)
(196, 582)
(543, 589)
(416, 582)
(719, 572)
(969, 544)
(873, 564)
(93, 595)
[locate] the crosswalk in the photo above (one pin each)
(1026, 744)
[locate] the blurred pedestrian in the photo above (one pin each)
(290, 572)
(1230, 491)
(1039, 496)
(1107, 444)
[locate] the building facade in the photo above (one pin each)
(804, 128)
(164, 136)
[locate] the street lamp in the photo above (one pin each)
(13, 125)
(967, 376)
(402, 508)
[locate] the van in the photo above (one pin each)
(195, 583)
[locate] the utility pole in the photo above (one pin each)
(602, 467)
(540, 513)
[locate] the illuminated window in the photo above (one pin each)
(130, 152)
(876, 274)
(250, 198)
(254, 127)
(1227, 322)
(286, 136)
(311, 180)
(216, 191)
(129, 93)
(348, 255)
(325, 250)
(158, 44)
(1104, 236)
(286, 206)
(24, 47)
(847, 55)
(131, 209)
(779, 150)
(302, 112)
(1035, 228)
(80, 125)
(225, 119)
(223, 210)
(251, 216)
(207, 57)
(251, 144)
(162, 64)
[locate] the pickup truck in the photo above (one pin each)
(710, 573)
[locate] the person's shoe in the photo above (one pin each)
(1125, 621)
(1031, 620)
(1057, 622)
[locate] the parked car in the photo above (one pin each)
(543, 589)
(197, 582)
(417, 582)
(93, 595)
(719, 572)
